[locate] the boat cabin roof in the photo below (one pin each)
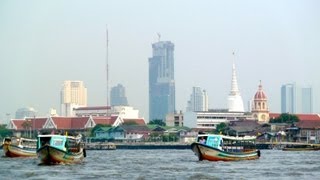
(232, 138)
(26, 139)
(57, 135)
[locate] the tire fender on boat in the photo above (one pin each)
(258, 152)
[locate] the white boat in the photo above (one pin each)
(19, 147)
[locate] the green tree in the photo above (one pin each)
(285, 118)
(4, 132)
(157, 122)
(155, 136)
(222, 128)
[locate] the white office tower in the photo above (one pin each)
(198, 100)
(73, 95)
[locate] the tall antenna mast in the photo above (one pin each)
(107, 67)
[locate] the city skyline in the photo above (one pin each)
(44, 43)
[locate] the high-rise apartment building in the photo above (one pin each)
(198, 100)
(73, 94)
(161, 81)
(306, 100)
(288, 98)
(296, 99)
(118, 96)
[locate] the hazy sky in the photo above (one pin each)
(43, 43)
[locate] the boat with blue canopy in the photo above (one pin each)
(60, 149)
(214, 147)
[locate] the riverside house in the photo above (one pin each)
(30, 127)
(306, 130)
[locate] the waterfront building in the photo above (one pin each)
(210, 119)
(307, 129)
(198, 100)
(118, 96)
(124, 133)
(235, 102)
(174, 119)
(161, 81)
(73, 94)
(260, 108)
(25, 112)
(96, 111)
(30, 127)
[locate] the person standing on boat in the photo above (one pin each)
(202, 140)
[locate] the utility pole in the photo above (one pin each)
(107, 67)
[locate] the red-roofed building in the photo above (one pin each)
(300, 116)
(307, 129)
(105, 120)
(32, 126)
(134, 121)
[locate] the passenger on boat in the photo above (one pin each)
(221, 145)
(202, 140)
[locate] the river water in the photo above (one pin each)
(167, 164)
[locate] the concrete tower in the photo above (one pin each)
(235, 102)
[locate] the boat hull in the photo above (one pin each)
(204, 152)
(302, 149)
(51, 155)
(11, 150)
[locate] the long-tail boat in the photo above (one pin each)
(19, 147)
(60, 149)
(302, 147)
(213, 147)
